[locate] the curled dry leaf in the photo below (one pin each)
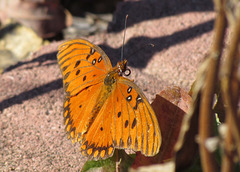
(170, 106)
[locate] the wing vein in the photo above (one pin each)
(115, 120)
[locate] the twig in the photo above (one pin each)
(207, 118)
(230, 89)
(230, 82)
(227, 159)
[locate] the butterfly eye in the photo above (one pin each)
(127, 72)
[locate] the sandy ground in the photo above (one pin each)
(32, 135)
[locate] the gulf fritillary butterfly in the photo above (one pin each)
(102, 109)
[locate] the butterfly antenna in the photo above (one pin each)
(124, 37)
(140, 49)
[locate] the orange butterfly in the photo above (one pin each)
(104, 110)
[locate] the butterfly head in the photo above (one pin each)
(122, 68)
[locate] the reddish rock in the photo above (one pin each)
(31, 94)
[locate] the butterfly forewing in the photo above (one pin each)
(82, 64)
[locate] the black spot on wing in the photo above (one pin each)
(92, 51)
(84, 78)
(119, 114)
(129, 89)
(94, 61)
(138, 100)
(134, 123)
(99, 59)
(129, 98)
(77, 63)
(126, 123)
(88, 57)
(66, 75)
(64, 68)
(78, 71)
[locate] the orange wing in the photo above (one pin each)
(126, 120)
(82, 64)
(84, 67)
(134, 122)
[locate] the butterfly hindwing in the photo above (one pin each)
(134, 123)
(98, 141)
(126, 121)
(82, 64)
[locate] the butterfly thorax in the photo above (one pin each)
(117, 71)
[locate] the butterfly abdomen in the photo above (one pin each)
(104, 94)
